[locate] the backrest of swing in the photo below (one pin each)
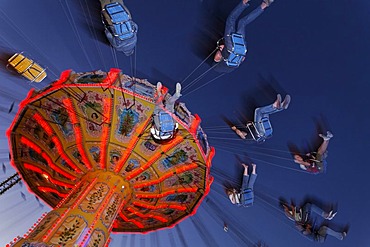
(248, 197)
(238, 50)
(238, 43)
(121, 20)
(167, 123)
(266, 125)
(234, 60)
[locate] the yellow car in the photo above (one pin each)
(27, 67)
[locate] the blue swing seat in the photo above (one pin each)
(265, 125)
(247, 197)
(120, 18)
(238, 51)
(167, 127)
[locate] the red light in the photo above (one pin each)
(63, 77)
(56, 168)
(43, 123)
(42, 172)
(210, 156)
(131, 145)
(137, 223)
(112, 76)
(173, 206)
(155, 157)
(30, 144)
(180, 190)
(77, 130)
(177, 170)
(195, 124)
(103, 149)
(48, 189)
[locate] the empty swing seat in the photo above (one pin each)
(27, 67)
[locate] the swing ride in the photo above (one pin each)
(83, 145)
(87, 147)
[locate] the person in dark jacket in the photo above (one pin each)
(238, 28)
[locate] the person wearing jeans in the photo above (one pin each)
(245, 196)
(303, 217)
(232, 26)
(168, 106)
(265, 111)
(315, 162)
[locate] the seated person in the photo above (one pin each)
(244, 196)
(164, 126)
(315, 162)
(302, 218)
(262, 114)
(233, 26)
(119, 27)
(302, 214)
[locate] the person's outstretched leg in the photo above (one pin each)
(233, 16)
(312, 208)
(325, 143)
(324, 230)
(245, 177)
(265, 111)
(253, 177)
(251, 17)
(231, 22)
(243, 22)
(170, 104)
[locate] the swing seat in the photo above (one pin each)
(260, 136)
(27, 67)
(247, 197)
(117, 19)
(238, 50)
(166, 129)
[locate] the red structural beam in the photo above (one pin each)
(111, 76)
(32, 145)
(137, 223)
(177, 170)
(155, 157)
(48, 189)
(49, 177)
(104, 141)
(161, 206)
(141, 215)
(46, 126)
(77, 130)
(63, 77)
(180, 190)
(210, 157)
(131, 145)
